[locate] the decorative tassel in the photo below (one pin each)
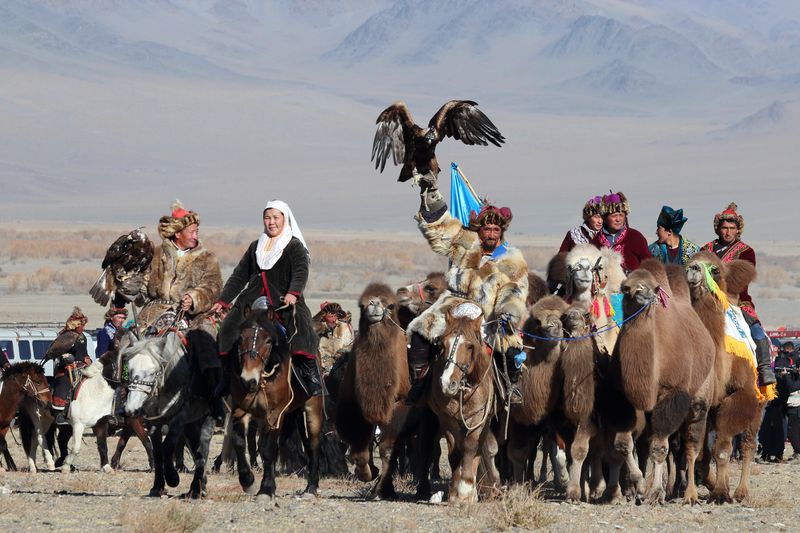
(663, 297)
(713, 287)
(596, 308)
(607, 307)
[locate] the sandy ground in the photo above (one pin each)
(91, 500)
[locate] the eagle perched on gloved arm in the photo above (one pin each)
(124, 268)
(415, 147)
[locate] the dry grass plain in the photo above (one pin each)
(90, 500)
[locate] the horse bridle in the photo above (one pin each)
(30, 388)
(253, 352)
(150, 388)
(451, 358)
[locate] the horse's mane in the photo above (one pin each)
(22, 368)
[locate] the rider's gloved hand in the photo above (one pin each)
(519, 357)
(432, 205)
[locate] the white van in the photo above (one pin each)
(29, 342)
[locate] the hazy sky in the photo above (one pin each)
(111, 109)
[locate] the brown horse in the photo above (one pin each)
(264, 389)
(20, 381)
(462, 397)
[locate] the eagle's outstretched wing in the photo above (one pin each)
(395, 133)
(462, 120)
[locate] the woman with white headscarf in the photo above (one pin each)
(276, 266)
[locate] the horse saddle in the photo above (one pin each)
(167, 320)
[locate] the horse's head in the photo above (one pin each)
(376, 303)
(465, 358)
(30, 378)
(259, 339)
(419, 296)
(146, 367)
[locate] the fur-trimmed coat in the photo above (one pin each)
(170, 276)
(497, 282)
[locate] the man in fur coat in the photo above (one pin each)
(185, 277)
(483, 269)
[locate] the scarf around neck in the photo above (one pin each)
(579, 234)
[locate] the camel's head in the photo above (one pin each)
(545, 319)
(419, 296)
(582, 262)
(576, 321)
(701, 263)
(376, 302)
(639, 289)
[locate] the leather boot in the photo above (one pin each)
(763, 363)
(419, 356)
(513, 376)
(310, 374)
(61, 419)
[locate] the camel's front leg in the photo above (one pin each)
(748, 451)
(579, 450)
(655, 490)
(693, 442)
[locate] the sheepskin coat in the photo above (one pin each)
(171, 275)
(497, 282)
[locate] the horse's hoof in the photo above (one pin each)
(307, 495)
(423, 494)
(266, 500)
(157, 493)
(172, 478)
(106, 469)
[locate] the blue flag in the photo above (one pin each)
(462, 199)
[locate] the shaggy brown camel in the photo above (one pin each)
(578, 369)
(375, 386)
(540, 382)
(462, 397)
(664, 357)
(736, 406)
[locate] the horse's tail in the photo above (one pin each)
(25, 430)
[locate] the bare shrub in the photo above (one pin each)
(520, 507)
(769, 498)
(173, 517)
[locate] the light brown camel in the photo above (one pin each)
(462, 397)
(664, 357)
(736, 407)
(375, 386)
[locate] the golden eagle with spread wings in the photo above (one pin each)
(415, 147)
(124, 268)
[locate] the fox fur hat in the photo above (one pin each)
(729, 215)
(615, 203)
(593, 206)
(180, 219)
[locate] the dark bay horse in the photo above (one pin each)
(263, 389)
(20, 381)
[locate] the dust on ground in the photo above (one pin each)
(90, 500)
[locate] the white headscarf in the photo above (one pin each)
(270, 249)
